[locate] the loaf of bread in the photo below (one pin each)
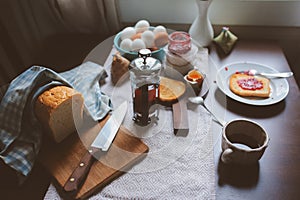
(60, 110)
(119, 68)
(170, 90)
(249, 86)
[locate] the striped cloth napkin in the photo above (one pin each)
(20, 132)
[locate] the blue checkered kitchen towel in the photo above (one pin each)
(20, 133)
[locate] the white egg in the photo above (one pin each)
(142, 25)
(148, 38)
(159, 28)
(126, 44)
(138, 44)
(127, 32)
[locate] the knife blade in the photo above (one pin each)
(101, 144)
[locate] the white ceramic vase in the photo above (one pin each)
(201, 29)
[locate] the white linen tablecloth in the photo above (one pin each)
(175, 167)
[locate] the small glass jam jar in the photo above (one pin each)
(145, 80)
(179, 42)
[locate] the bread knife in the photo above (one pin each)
(100, 145)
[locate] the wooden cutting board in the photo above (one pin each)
(61, 159)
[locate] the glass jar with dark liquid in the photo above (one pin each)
(145, 79)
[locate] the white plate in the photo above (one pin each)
(279, 86)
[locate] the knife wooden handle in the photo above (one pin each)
(81, 171)
(180, 118)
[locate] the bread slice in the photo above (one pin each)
(119, 67)
(170, 90)
(60, 110)
(262, 91)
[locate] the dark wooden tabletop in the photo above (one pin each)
(277, 174)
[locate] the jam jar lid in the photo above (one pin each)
(145, 62)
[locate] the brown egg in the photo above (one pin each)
(136, 36)
(161, 39)
(153, 48)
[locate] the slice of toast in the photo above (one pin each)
(170, 90)
(236, 87)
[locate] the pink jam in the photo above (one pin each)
(179, 42)
(250, 84)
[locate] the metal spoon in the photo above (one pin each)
(254, 72)
(200, 101)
